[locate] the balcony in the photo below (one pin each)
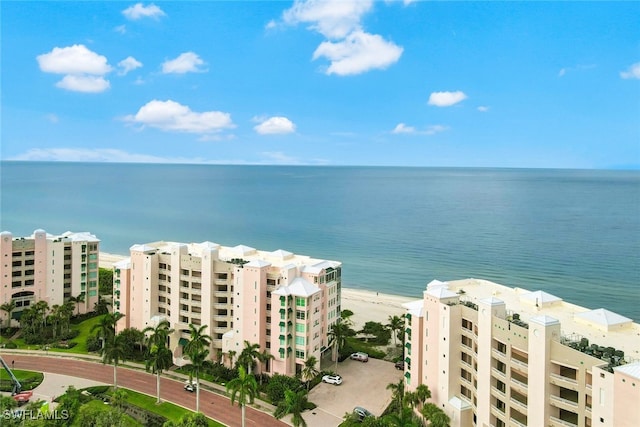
(519, 385)
(518, 404)
(498, 354)
(497, 373)
(557, 422)
(498, 392)
(562, 381)
(519, 365)
(561, 403)
(517, 423)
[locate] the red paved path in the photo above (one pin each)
(212, 405)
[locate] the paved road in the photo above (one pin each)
(211, 404)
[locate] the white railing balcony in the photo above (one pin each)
(500, 355)
(558, 422)
(561, 378)
(563, 402)
(517, 423)
(519, 364)
(498, 391)
(519, 404)
(498, 373)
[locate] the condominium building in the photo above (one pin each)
(49, 268)
(284, 302)
(498, 356)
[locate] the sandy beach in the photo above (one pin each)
(366, 305)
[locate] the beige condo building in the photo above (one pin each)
(498, 356)
(52, 268)
(284, 302)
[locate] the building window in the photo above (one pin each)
(300, 327)
(300, 315)
(300, 302)
(300, 354)
(299, 340)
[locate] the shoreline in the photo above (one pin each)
(367, 306)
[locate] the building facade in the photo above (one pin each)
(498, 356)
(284, 302)
(49, 268)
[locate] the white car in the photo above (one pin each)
(332, 379)
(362, 357)
(190, 386)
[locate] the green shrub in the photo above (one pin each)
(277, 386)
(10, 345)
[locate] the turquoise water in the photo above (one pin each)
(573, 233)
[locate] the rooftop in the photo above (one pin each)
(599, 326)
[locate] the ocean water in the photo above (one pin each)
(572, 233)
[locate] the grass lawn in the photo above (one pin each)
(168, 410)
(28, 379)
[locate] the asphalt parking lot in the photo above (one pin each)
(363, 384)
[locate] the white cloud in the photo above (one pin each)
(633, 72)
(275, 125)
(139, 11)
(187, 62)
(334, 19)
(76, 59)
(80, 83)
(446, 99)
(278, 157)
(562, 72)
(52, 118)
(128, 64)
(483, 108)
(432, 130)
(402, 128)
(357, 53)
(172, 116)
(122, 29)
(271, 25)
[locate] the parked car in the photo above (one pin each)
(190, 386)
(332, 379)
(400, 365)
(362, 357)
(361, 412)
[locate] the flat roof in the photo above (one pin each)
(626, 337)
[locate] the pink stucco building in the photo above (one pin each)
(284, 302)
(498, 356)
(49, 268)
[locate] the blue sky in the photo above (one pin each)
(399, 83)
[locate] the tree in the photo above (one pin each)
(398, 393)
(105, 281)
(198, 339)
(198, 361)
(309, 370)
(250, 353)
(405, 418)
(76, 302)
(159, 356)
(243, 389)
(264, 357)
(294, 403)
(337, 338)
(396, 324)
(106, 327)
(436, 416)
(118, 398)
(8, 308)
(422, 394)
(232, 354)
(189, 420)
(114, 351)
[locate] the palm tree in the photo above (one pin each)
(309, 371)
(8, 308)
(422, 393)
(264, 357)
(114, 351)
(405, 418)
(158, 359)
(76, 302)
(294, 403)
(396, 323)
(398, 392)
(54, 317)
(198, 361)
(232, 354)
(436, 416)
(67, 311)
(337, 338)
(198, 339)
(106, 327)
(158, 334)
(244, 388)
(250, 353)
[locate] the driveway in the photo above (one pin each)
(363, 384)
